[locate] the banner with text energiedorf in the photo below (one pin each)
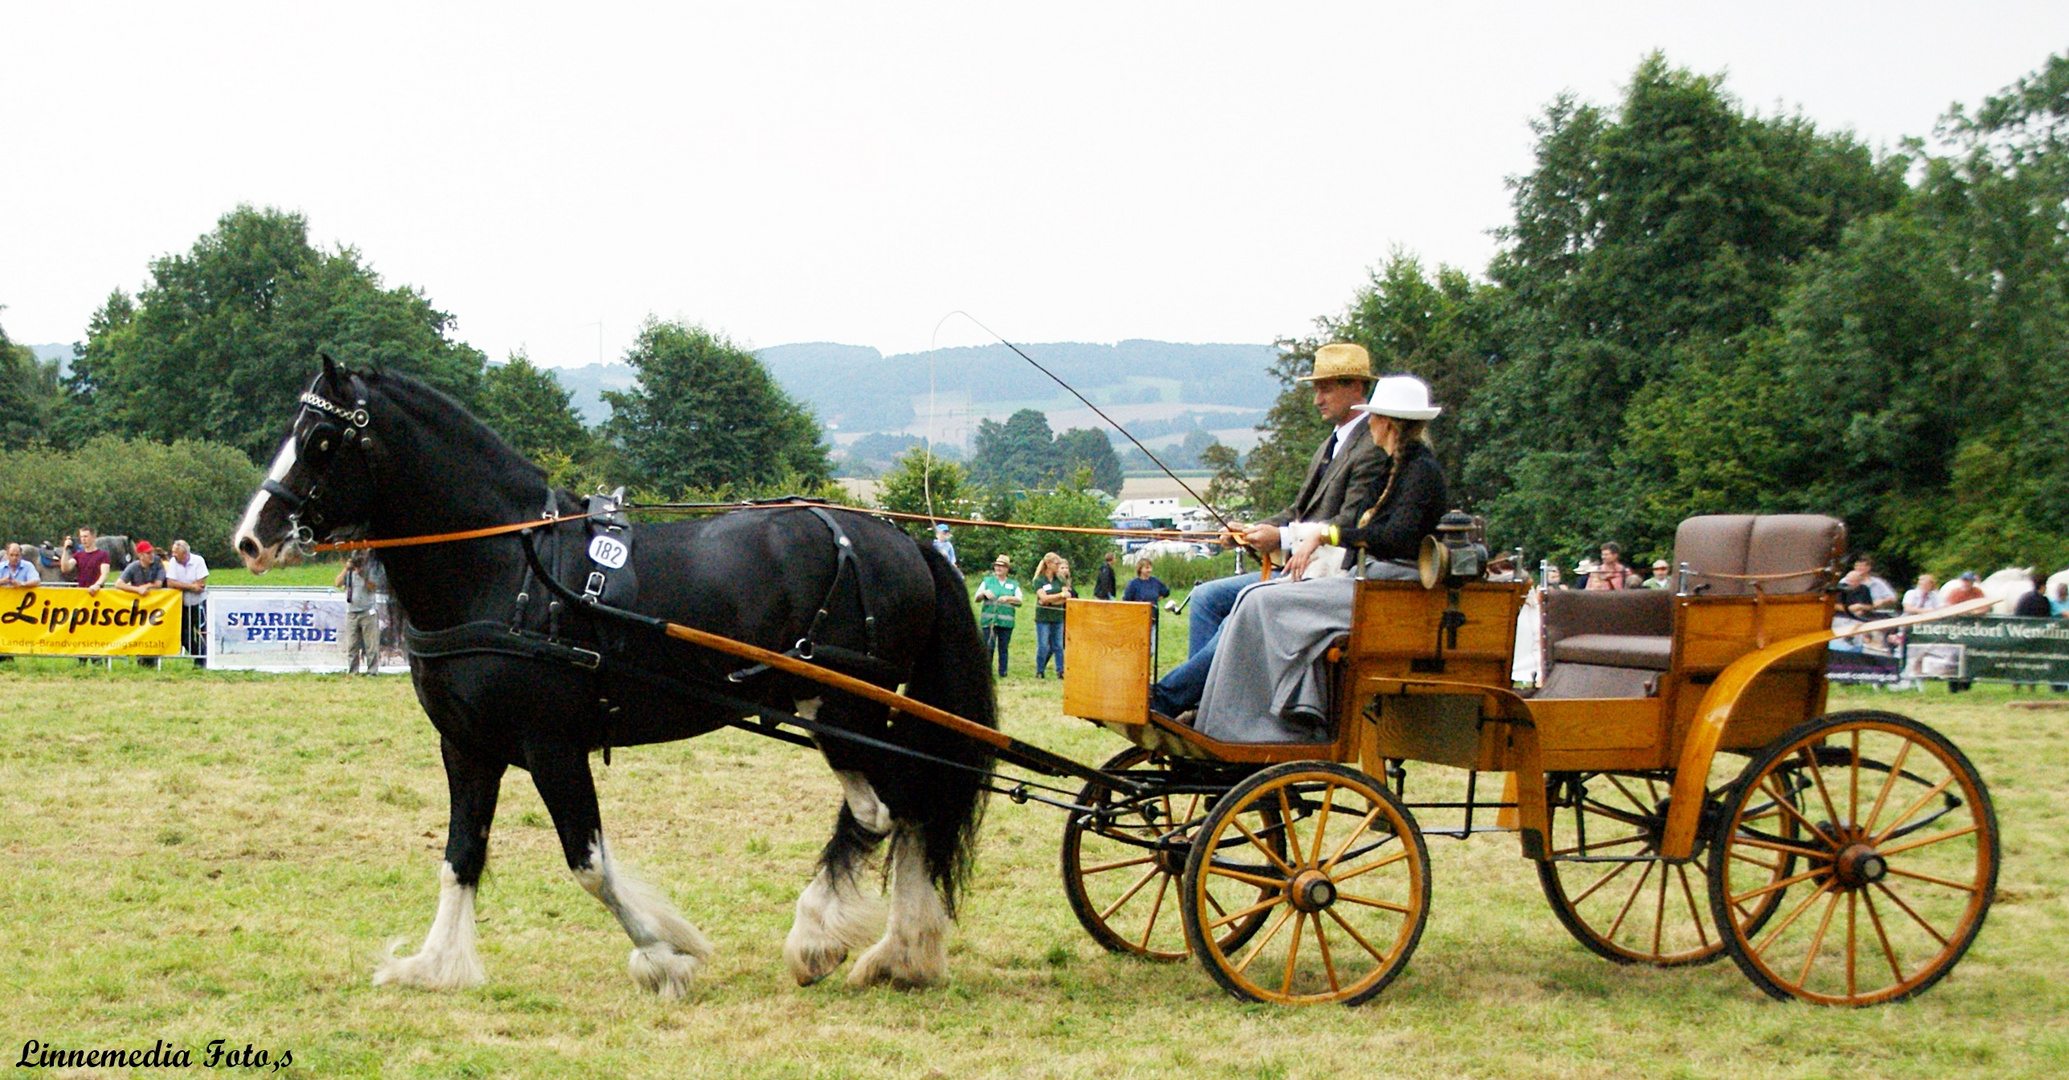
(1991, 648)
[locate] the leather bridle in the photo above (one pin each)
(335, 427)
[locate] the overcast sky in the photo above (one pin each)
(552, 174)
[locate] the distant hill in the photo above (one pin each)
(60, 353)
(856, 390)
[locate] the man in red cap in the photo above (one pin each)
(145, 574)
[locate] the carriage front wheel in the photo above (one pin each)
(1336, 866)
(1895, 851)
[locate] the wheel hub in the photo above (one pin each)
(1311, 891)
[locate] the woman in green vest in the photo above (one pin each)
(997, 597)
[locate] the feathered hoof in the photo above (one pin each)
(661, 969)
(808, 965)
(904, 965)
(428, 969)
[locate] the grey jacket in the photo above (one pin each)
(1336, 491)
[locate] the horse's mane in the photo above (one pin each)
(428, 402)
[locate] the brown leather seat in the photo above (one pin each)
(1613, 644)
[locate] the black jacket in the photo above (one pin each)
(1410, 511)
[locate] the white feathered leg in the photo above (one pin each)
(834, 915)
(914, 948)
(448, 960)
(667, 952)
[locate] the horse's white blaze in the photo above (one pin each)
(834, 916)
(914, 948)
(448, 960)
(667, 952)
(247, 527)
(870, 811)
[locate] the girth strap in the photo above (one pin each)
(474, 638)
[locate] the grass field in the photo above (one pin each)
(193, 856)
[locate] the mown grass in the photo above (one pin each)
(195, 855)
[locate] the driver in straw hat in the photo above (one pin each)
(1265, 682)
(1343, 478)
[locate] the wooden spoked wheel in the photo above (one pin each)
(1334, 863)
(1121, 867)
(1895, 851)
(1605, 882)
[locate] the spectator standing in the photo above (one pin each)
(1584, 573)
(944, 544)
(2059, 603)
(997, 597)
(86, 564)
(1924, 596)
(1147, 587)
(17, 572)
(1553, 580)
(2034, 605)
(188, 572)
(1103, 588)
(1052, 591)
(145, 574)
(362, 617)
(1612, 573)
(1881, 595)
(1962, 589)
(1662, 575)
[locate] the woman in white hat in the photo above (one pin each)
(1265, 684)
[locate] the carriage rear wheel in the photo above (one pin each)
(1333, 862)
(1896, 851)
(1121, 863)
(1605, 882)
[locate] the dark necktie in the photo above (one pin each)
(1329, 449)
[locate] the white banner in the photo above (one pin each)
(269, 629)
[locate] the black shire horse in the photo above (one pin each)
(513, 672)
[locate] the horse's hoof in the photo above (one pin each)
(889, 963)
(808, 966)
(660, 969)
(429, 969)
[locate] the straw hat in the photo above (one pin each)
(1403, 397)
(1341, 361)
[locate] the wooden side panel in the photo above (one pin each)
(1401, 619)
(1771, 705)
(1711, 632)
(1109, 644)
(1597, 723)
(1440, 729)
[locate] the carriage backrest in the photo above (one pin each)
(1722, 549)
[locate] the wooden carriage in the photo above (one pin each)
(1675, 778)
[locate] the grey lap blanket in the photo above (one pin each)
(1267, 683)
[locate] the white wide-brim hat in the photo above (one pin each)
(1403, 397)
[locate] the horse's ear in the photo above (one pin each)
(330, 370)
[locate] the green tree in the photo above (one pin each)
(705, 414)
(1290, 432)
(1071, 505)
(224, 337)
(1085, 448)
(28, 395)
(188, 490)
(529, 408)
(1440, 329)
(1228, 492)
(1019, 454)
(921, 483)
(1668, 230)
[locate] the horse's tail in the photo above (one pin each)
(951, 675)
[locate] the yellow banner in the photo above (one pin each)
(72, 622)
